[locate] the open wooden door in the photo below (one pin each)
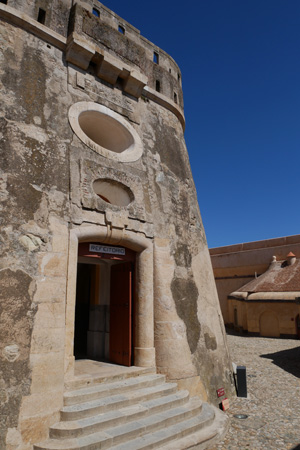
(297, 321)
(120, 341)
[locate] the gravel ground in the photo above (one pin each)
(273, 403)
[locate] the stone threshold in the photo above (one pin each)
(88, 372)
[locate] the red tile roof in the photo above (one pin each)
(280, 277)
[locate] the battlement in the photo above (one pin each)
(97, 40)
(54, 14)
(115, 22)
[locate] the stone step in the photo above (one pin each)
(173, 406)
(199, 440)
(87, 409)
(171, 434)
(133, 413)
(112, 437)
(163, 403)
(84, 395)
(205, 438)
(96, 441)
(85, 380)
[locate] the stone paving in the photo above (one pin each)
(273, 403)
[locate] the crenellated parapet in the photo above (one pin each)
(53, 14)
(99, 41)
(109, 31)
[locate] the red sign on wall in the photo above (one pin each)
(220, 392)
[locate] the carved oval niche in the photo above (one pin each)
(105, 131)
(113, 192)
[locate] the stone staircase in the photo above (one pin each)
(133, 412)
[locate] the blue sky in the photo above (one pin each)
(241, 83)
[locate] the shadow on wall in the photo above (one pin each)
(288, 360)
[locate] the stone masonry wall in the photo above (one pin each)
(34, 233)
(46, 181)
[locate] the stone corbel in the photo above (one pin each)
(116, 224)
(134, 83)
(79, 51)
(108, 67)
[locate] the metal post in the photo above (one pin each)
(241, 381)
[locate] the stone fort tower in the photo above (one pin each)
(103, 253)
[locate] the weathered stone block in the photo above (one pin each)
(36, 429)
(53, 264)
(47, 340)
(47, 372)
(50, 289)
(37, 405)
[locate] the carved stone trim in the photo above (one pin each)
(132, 153)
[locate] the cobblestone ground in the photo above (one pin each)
(273, 403)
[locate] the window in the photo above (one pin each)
(96, 12)
(157, 85)
(170, 70)
(121, 29)
(3, 1)
(178, 77)
(41, 16)
(175, 97)
(155, 57)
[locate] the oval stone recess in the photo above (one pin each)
(113, 192)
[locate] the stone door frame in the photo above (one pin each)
(144, 352)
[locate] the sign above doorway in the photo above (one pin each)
(106, 249)
(97, 251)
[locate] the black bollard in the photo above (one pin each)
(241, 381)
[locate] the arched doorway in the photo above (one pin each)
(143, 312)
(269, 325)
(104, 303)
